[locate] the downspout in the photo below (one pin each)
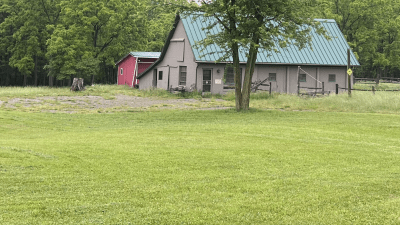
(195, 83)
(169, 71)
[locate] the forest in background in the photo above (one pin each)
(48, 42)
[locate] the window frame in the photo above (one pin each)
(269, 77)
(329, 78)
(181, 72)
(231, 85)
(121, 71)
(303, 77)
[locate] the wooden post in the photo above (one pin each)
(337, 88)
(323, 88)
(373, 90)
(349, 76)
(298, 80)
(270, 88)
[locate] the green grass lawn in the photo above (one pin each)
(200, 167)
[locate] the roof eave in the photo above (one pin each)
(123, 58)
(282, 64)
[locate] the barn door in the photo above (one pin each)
(207, 77)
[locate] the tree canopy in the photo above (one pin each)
(371, 28)
(63, 39)
(46, 39)
(250, 25)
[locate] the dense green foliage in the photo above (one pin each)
(372, 29)
(199, 167)
(79, 38)
(63, 38)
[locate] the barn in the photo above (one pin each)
(182, 64)
(133, 64)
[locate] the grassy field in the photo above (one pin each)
(200, 167)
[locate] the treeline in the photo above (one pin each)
(371, 28)
(48, 42)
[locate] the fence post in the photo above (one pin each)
(373, 90)
(270, 88)
(349, 76)
(337, 89)
(323, 88)
(298, 80)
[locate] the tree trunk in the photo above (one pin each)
(50, 81)
(36, 71)
(25, 80)
(235, 56)
(77, 85)
(238, 81)
(92, 80)
(248, 77)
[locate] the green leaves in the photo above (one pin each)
(63, 35)
(371, 28)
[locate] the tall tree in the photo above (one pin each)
(92, 32)
(371, 28)
(27, 21)
(251, 25)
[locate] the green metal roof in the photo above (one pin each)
(146, 54)
(323, 52)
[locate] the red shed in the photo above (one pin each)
(133, 64)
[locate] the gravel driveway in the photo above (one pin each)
(74, 104)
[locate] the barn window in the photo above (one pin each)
(122, 71)
(160, 73)
(272, 77)
(182, 75)
(303, 78)
(230, 78)
(332, 78)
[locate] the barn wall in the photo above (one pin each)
(128, 65)
(179, 53)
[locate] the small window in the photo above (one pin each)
(272, 77)
(303, 78)
(182, 75)
(160, 73)
(332, 78)
(230, 78)
(122, 71)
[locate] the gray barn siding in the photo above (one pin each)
(146, 82)
(215, 88)
(177, 55)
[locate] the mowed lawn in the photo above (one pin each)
(200, 167)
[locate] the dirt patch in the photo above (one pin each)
(67, 104)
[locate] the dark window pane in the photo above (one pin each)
(332, 77)
(206, 74)
(160, 75)
(303, 78)
(272, 77)
(230, 77)
(182, 75)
